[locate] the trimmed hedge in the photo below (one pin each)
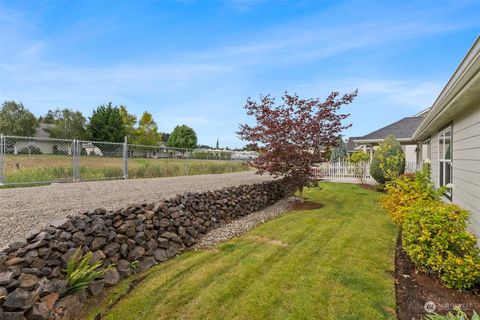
(435, 237)
(434, 234)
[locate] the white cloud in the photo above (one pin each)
(195, 86)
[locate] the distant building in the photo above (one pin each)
(40, 144)
(403, 131)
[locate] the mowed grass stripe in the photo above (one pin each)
(244, 278)
(329, 263)
(176, 281)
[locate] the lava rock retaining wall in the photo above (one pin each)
(32, 280)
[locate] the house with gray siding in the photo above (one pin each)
(449, 136)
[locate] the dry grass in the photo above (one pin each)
(48, 168)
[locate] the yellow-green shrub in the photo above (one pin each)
(405, 191)
(435, 237)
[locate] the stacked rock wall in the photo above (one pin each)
(32, 278)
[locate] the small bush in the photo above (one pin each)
(80, 273)
(435, 237)
(388, 161)
(359, 160)
(408, 189)
(30, 150)
(460, 315)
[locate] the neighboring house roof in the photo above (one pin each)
(351, 144)
(40, 130)
(462, 89)
(402, 130)
(423, 113)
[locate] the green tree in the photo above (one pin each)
(339, 152)
(359, 160)
(182, 137)
(217, 145)
(147, 131)
(48, 118)
(251, 147)
(106, 124)
(165, 136)
(69, 124)
(129, 121)
(388, 161)
(15, 119)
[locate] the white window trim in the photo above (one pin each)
(441, 156)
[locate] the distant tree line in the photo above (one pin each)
(107, 123)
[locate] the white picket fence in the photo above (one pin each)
(344, 171)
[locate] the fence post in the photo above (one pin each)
(125, 159)
(75, 162)
(79, 153)
(73, 159)
(2, 159)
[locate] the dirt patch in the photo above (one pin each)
(267, 241)
(368, 187)
(414, 289)
(305, 205)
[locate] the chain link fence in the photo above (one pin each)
(27, 160)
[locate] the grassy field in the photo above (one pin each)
(330, 263)
(46, 168)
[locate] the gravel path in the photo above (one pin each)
(242, 225)
(23, 209)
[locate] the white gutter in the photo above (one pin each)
(462, 75)
(381, 140)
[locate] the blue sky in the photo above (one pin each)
(196, 62)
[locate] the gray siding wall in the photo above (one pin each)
(466, 164)
(410, 154)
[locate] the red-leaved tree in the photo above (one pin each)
(296, 134)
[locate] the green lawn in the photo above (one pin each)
(330, 263)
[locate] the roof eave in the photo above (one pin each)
(466, 71)
(381, 140)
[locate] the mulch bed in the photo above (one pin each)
(367, 186)
(414, 289)
(305, 205)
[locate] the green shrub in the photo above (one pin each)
(388, 161)
(407, 190)
(460, 315)
(435, 237)
(211, 155)
(359, 160)
(30, 150)
(80, 272)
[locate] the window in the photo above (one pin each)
(445, 158)
(426, 150)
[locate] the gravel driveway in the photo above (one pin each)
(23, 209)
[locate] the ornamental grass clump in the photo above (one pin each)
(80, 272)
(435, 237)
